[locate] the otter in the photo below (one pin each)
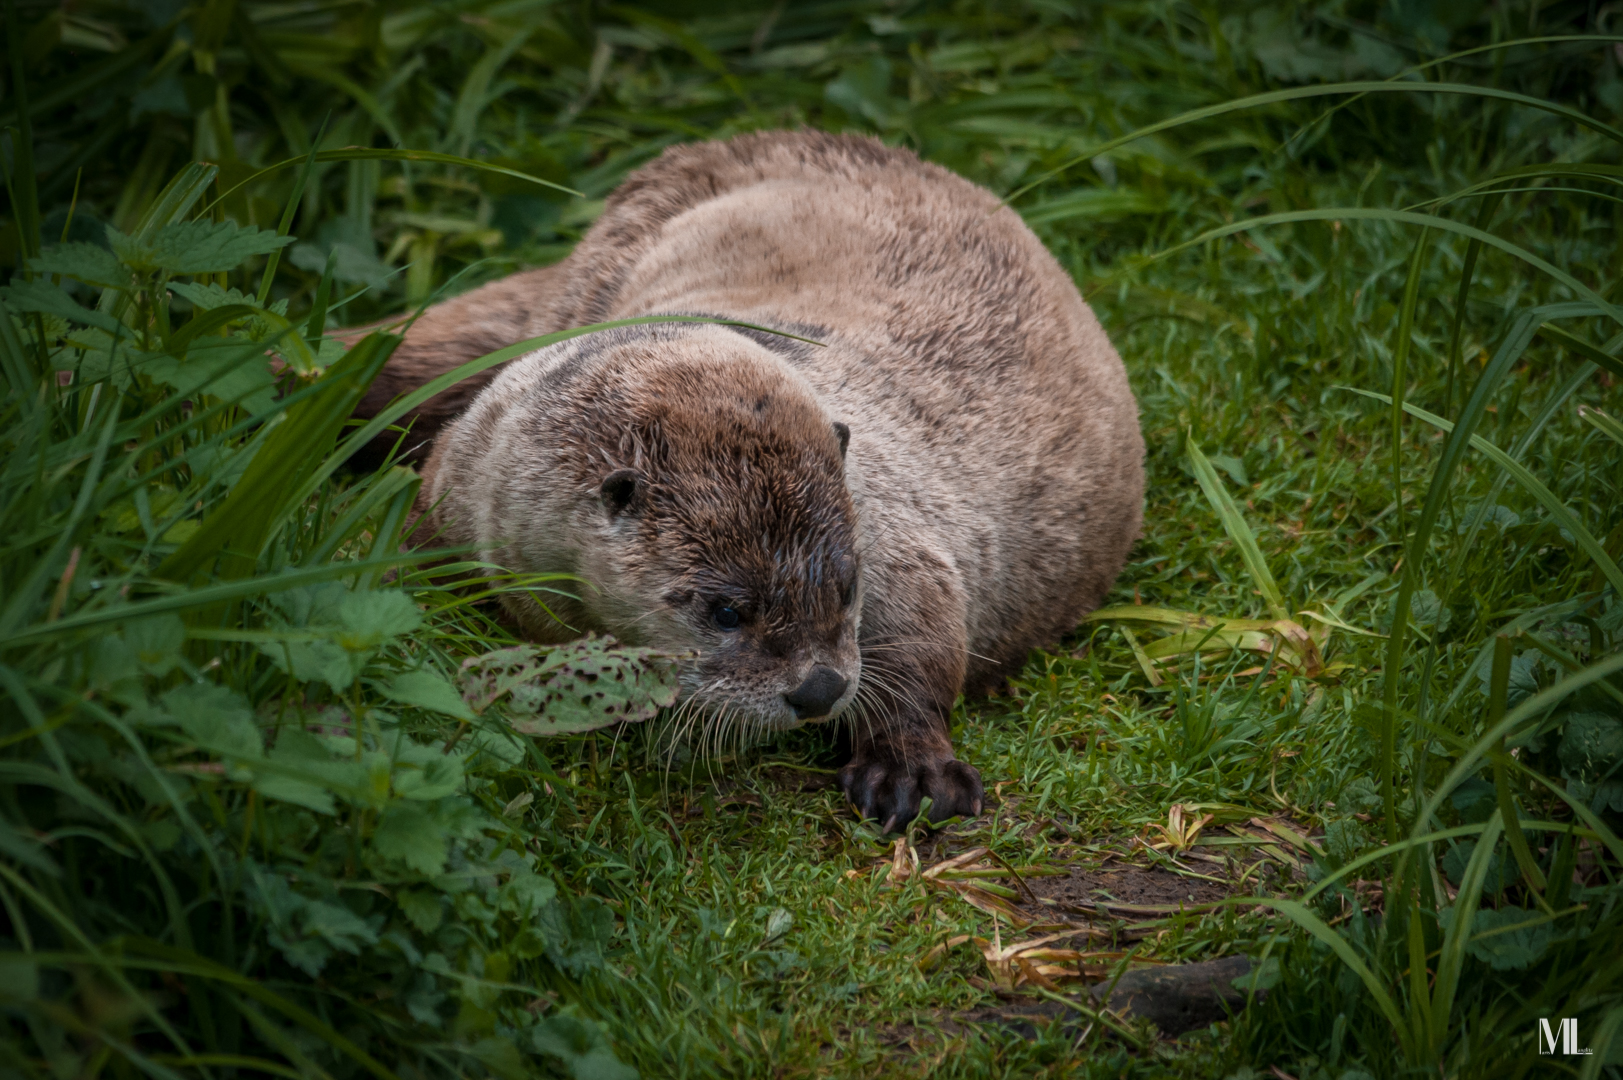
(932, 466)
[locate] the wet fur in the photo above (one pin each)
(993, 482)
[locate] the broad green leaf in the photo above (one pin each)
(313, 661)
(156, 642)
(1591, 743)
(47, 299)
(427, 690)
(1498, 874)
(422, 907)
(298, 748)
(1507, 939)
(426, 773)
(195, 247)
(409, 834)
(525, 893)
(84, 262)
(231, 369)
(206, 296)
(214, 716)
(370, 618)
(580, 1046)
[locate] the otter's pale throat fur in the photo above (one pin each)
(861, 530)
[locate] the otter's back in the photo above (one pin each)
(992, 422)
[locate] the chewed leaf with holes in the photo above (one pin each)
(495, 674)
(582, 686)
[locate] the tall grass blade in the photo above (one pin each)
(1303, 917)
(1234, 524)
(1498, 692)
(1552, 503)
(1452, 958)
(1353, 213)
(1510, 350)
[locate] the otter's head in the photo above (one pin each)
(712, 516)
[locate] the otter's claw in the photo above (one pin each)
(891, 791)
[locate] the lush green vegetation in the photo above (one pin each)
(263, 811)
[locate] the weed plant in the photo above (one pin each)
(267, 806)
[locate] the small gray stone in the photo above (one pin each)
(1179, 997)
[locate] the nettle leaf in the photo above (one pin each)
(408, 833)
(306, 930)
(1500, 871)
(312, 661)
(426, 773)
(196, 247)
(577, 933)
(44, 298)
(229, 368)
(1591, 743)
(526, 893)
(1523, 677)
(427, 690)
(1475, 799)
(208, 296)
(369, 619)
(301, 750)
(84, 262)
(215, 718)
(585, 685)
(1503, 949)
(580, 1045)
(422, 908)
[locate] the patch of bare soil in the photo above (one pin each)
(1087, 890)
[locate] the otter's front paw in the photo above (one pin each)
(889, 791)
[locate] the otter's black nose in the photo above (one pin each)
(817, 695)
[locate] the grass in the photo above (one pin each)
(257, 820)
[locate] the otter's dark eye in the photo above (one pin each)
(726, 618)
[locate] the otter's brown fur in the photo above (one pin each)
(989, 496)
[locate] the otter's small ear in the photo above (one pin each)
(621, 491)
(844, 435)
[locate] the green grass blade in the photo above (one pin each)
(1548, 499)
(1303, 917)
(21, 182)
(181, 600)
(1235, 525)
(355, 153)
(474, 95)
(1353, 213)
(1452, 958)
(1510, 350)
(292, 207)
(1473, 251)
(1600, 1045)
(1602, 423)
(27, 595)
(1467, 764)
(1299, 93)
(1400, 366)
(1599, 357)
(1498, 689)
(295, 448)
